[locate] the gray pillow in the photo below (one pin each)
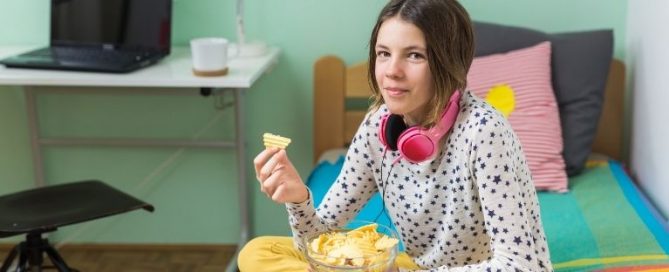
(580, 65)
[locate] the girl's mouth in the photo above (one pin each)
(395, 91)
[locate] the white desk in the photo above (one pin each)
(173, 71)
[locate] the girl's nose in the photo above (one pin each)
(394, 69)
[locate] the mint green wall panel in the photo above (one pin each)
(557, 16)
(196, 193)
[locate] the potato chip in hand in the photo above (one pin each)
(271, 140)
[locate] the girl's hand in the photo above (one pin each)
(278, 178)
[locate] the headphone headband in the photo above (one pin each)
(447, 118)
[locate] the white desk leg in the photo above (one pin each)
(245, 226)
(33, 127)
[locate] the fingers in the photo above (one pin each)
(271, 166)
(270, 185)
(260, 160)
(267, 169)
(275, 174)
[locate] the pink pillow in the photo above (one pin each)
(518, 84)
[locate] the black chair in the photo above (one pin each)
(37, 211)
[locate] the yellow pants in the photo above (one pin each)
(277, 253)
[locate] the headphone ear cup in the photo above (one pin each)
(394, 127)
(415, 145)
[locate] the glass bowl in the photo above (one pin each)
(370, 261)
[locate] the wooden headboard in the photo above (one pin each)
(335, 124)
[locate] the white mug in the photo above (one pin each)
(210, 56)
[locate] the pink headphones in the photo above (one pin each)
(417, 144)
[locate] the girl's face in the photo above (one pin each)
(402, 70)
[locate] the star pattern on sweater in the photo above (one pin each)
(473, 200)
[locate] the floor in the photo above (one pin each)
(145, 258)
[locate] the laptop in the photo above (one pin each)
(114, 36)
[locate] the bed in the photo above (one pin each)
(603, 222)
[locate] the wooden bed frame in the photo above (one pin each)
(335, 123)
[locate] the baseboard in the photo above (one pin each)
(130, 247)
(141, 257)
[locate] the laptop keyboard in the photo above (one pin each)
(90, 55)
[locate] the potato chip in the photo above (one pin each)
(384, 243)
(271, 140)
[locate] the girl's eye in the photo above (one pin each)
(416, 56)
(382, 54)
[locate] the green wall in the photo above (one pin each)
(194, 190)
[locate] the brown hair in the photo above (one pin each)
(449, 40)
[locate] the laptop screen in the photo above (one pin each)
(123, 24)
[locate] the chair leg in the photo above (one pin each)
(10, 259)
(31, 258)
(56, 259)
(34, 246)
(23, 259)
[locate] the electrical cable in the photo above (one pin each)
(384, 185)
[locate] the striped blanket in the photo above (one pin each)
(604, 224)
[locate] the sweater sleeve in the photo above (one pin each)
(502, 176)
(352, 189)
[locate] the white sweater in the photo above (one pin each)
(471, 208)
